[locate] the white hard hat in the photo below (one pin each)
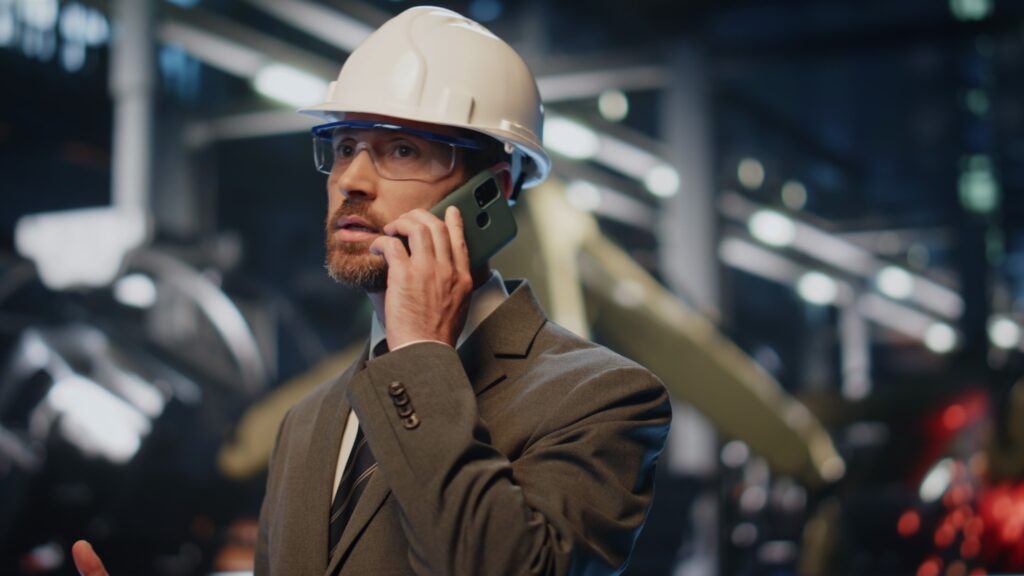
(433, 65)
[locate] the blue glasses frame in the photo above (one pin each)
(324, 131)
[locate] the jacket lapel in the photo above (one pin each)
(486, 355)
(318, 468)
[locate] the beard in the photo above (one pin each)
(351, 263)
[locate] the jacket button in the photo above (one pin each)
(401, 399)
(405, 410)
(396, 388)
(411, 422)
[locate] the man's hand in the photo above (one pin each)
(86, 560)
(429, 285)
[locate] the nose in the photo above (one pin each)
(358, 179)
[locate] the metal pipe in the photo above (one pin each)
(131, 87)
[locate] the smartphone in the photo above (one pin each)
(485, 213)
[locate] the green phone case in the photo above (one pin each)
(486, 214)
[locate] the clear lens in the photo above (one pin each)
(396, 155)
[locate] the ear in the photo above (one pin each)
(503, 172)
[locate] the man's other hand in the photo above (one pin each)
(86, 560)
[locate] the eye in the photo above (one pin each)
(345, 148)
(403, 150)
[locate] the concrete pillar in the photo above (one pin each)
(687, 256)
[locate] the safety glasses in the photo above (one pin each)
(397, 152)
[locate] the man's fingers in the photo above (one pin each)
(86, 560)
(421, 241)
(438, 233)
(392, 249)
(457, 237)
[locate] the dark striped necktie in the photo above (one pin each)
(361, 466)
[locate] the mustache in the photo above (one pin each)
(359, 209)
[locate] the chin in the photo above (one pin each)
(363, 270)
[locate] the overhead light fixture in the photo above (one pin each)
(794, 195)
(940, 338)
(662, 181)
(570, 138)
(135, 290)
(833, 250)
(817, 288)
(751, 173)
(967, 10)
(772, 228)
(613, 105)
(978, 186)
(1004, 333)
(583, 195)
(895, 282)
(322, 22)
(753, 258)
(289, 85)
(936, 481)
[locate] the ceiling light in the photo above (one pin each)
(570, 138)
(135, 290)
(817, 288)
(979, 189)
(794, 195)
(583, 195)
(751, 173)
(613, 105)
(936, 481)
(895, 282)
(772, 228)
(940, 338)
(289, 85)
(970, 9)
(662, 181)
(1004, 332)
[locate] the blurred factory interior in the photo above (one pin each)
(806, 216)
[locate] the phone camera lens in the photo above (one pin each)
(486, 193)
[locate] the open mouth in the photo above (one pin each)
(354, 224)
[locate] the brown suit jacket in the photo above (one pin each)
(529, 451)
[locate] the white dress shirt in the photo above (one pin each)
(483, 301)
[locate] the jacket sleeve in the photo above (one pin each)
(572, 503)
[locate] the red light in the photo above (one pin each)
(930, 567)
(954, 417)
(970, 548)
(957, 496)
(944, 536)
(957, 518)
(909, 523)
(957, 568)
(1011, 532)
(978, 572)
(974, 527)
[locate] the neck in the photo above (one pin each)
(481, 275)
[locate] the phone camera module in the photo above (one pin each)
(486, 193)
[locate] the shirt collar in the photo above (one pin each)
(484, 300)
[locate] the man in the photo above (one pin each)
(473, 436)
